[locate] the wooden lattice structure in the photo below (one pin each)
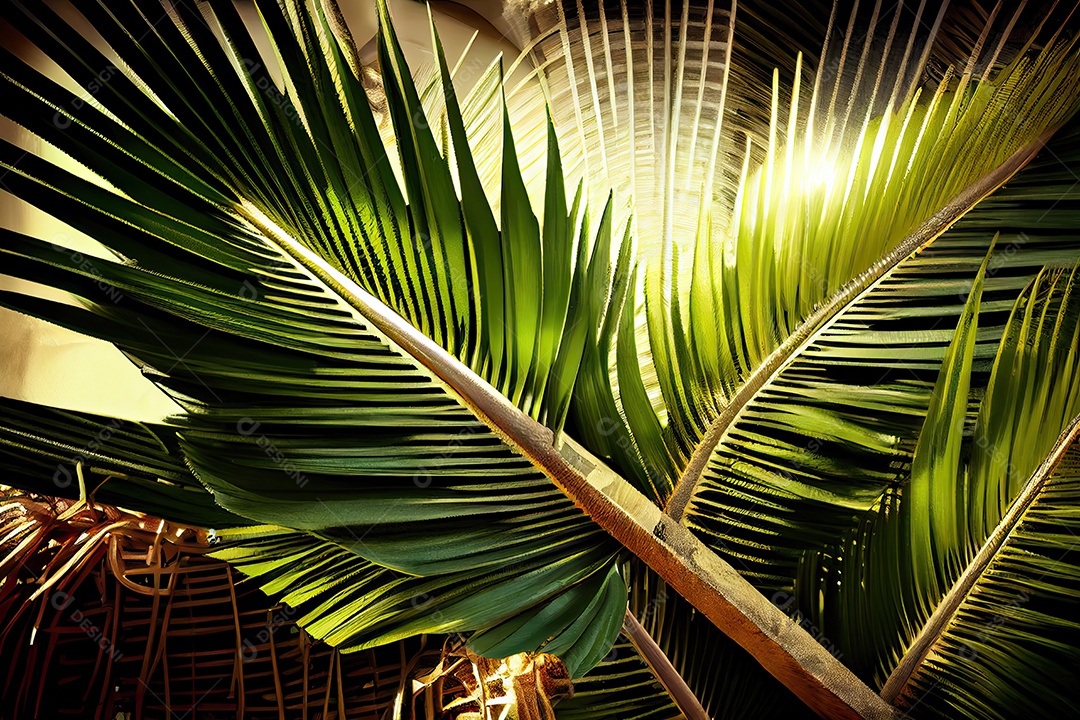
(103, 612)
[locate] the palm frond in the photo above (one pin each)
(994, 521)
(940, 142)
(903, 546)
(836, 428)
(887, 590)
(1038, 356)
(1018, 614)
(311, 403)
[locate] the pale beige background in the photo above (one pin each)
(46, 364)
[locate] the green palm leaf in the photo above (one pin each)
(1010, 481)
(1017, 614)
(311, 404)
(830, 428)
(960, 125)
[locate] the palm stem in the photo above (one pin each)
(662, 668)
